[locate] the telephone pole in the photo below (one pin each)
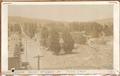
(38, 61)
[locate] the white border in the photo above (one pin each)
(5, 38)
(116, 38)
(4, 35)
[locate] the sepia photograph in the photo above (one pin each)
(61, 36)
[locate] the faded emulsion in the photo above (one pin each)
(60, 37)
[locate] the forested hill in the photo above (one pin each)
(31, 26)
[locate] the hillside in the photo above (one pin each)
(31, 26)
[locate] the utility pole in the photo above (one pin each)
(38, 61)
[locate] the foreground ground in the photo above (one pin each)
(89, 56)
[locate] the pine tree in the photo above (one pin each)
(30, 29)
(54, 44)
(44, 36)
(17, 54)
(68, 44)
(18, 51)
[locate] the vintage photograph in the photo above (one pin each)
(60, 37)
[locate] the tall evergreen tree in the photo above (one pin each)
(68, 44)
(18, 50)
(44, 36)
(54, 44)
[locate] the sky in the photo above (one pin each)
(62, 12)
